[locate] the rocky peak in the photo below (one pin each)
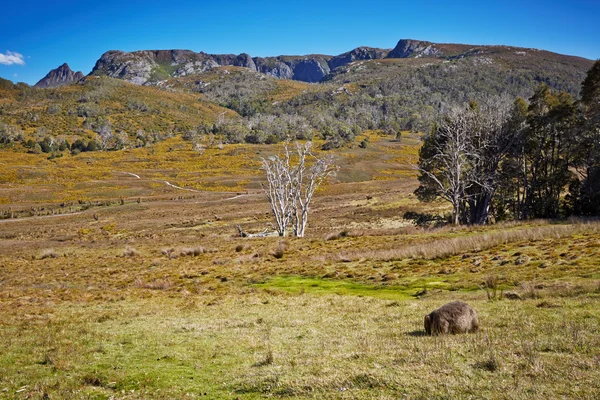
(62, 75)
(414, 48)
(359, 53)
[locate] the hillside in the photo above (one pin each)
(102, 105)
(365, 88)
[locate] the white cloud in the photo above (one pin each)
(15, 75)
(11, 58)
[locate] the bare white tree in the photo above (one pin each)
(449, 168)
(106, 136)
(279, 189)
(306, 179)
(291, 183)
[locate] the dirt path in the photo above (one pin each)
(129, 173)
(40, 217)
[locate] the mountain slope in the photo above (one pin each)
(102, 104)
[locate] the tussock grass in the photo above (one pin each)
(279, 251)
(336, 235)
(192, 251)
(157, 284)
(131, 252)
(48, 253)
(475, 242)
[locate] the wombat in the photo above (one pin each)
(455, 317)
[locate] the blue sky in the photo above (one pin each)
(37, 36)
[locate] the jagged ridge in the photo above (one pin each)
(153, 66)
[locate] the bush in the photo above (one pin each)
(92, 146)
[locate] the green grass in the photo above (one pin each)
(268, 344)
(298, 284)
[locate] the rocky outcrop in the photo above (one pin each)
(144, 67)
(62, 75)
(414, 48)
(133, 67)
(272, 66)
(360, 53)
(310, 69)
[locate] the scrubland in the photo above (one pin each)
(114, 286)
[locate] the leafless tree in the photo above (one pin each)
(460, 160)
(449, 166)
(279, 189)
(292, 180)
(306, 179)
(106, 135)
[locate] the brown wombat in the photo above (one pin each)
(455, 317)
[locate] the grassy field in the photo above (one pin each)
(103, 296)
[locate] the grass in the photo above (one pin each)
(478, 241)
(162, 298)
(300, 285)
(266, 344)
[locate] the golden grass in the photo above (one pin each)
(476, 242)
(161, 299)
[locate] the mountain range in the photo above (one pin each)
(153, 66)
(144, 96)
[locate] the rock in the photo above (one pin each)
(310, 70)
(62, 75)
(360, 53)
(414, 48)
(195, 67)
(133, 67)
(273, 67)
(522, 260)
(150, 66)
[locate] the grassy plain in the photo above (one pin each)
(102, 296)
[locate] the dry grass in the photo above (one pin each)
(131, 252)
(48, 253)
(336, 235)
(474, 242)
(192, 251)
(237, 322)
(157, 284)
